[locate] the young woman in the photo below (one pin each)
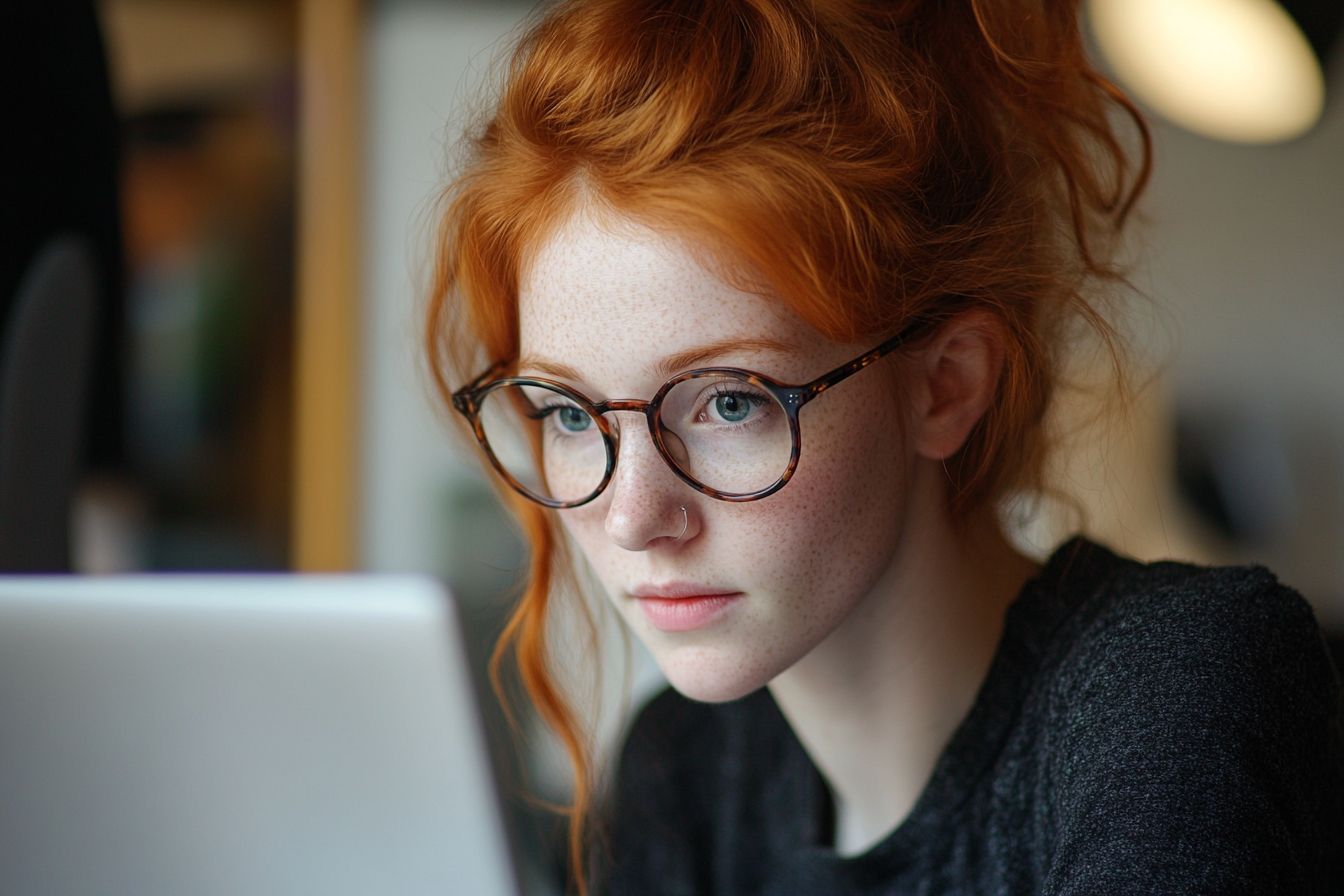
(761, 305)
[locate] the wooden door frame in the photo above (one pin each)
(324, 527)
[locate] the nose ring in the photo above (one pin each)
(685, 521)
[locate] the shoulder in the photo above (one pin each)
(1194, 712)
(1211, 639)
(1229, 598)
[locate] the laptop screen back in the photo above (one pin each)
(261, 735)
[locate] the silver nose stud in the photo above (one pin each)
(685, 521)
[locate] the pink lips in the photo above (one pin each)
(683, 607)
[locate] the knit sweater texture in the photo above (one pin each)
(1160, 728)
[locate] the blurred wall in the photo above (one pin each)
(423, 498)
(1243, 253)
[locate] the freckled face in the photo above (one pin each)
(608, 300)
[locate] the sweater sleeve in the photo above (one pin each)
(1200, 749)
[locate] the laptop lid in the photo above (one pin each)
(260, 735)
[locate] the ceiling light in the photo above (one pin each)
(1238, 70)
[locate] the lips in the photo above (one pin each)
(684, 607)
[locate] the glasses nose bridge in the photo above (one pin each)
(631, 406)
(622, 404)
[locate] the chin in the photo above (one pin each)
(709, 676)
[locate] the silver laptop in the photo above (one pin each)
(241, 735)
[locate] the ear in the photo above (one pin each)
(957, 376)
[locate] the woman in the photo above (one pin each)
(761, 305)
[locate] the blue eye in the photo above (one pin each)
(733, 407)
(574, 419)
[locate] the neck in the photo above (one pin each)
(877, 701)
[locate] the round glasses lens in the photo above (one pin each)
(727, 433)
(547, 442)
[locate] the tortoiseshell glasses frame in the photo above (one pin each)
(467, 401)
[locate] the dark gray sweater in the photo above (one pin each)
(1143, 729)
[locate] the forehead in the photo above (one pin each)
(610, 297)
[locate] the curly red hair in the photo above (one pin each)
(871, 161)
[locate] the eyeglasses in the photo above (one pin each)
(726, 432)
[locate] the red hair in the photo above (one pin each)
(871, 161)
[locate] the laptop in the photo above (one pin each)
(241, 735)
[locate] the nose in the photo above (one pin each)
(646, 497)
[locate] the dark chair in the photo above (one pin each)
(45, 362)
(60, 274)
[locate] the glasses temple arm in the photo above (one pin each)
(827, 380)
(464, 398)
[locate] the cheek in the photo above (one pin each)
(585, 527)
(837, 523)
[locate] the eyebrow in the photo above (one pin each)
(673, 364)
(665, 368)
(541, 365)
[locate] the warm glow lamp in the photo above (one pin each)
(1247, 71)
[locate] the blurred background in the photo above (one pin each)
(260, 402)
(206, 97)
